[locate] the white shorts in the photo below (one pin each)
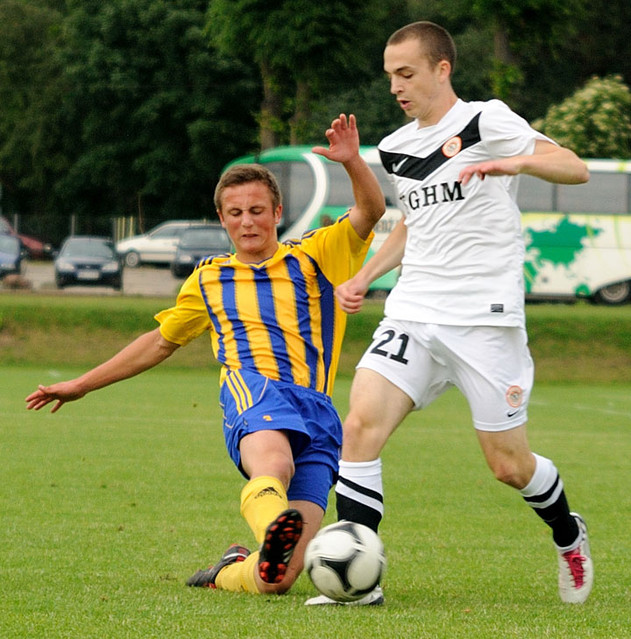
(491, 365)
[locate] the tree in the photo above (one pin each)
(595, 122)
(303, 49)
(32, 154)
(154, 128)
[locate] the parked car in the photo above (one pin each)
(88, 260)
(158, 246)
(196, 243)
(11, 254)
(35, 248)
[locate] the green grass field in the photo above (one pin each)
(109, 505)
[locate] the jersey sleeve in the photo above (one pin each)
(189, 317)
(337, 249)
(507, 134)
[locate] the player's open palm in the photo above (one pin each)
(343, 138)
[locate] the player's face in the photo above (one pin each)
(247, 213)
(416, 85)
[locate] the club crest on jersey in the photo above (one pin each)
(452, 146)
(515, 396)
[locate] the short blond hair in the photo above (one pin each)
(244, 174)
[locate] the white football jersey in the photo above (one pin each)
(463, 261)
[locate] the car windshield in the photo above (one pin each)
(83, 247)
(205, 239)
(9, 244)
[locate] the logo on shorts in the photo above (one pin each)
(452, 146)
(514, 397)
(267, 418)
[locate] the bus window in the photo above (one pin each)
(535, 194)
(341, 193)
(604, 193)
(297, 184)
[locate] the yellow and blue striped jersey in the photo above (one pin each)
(278, 317)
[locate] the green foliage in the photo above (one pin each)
(133, 106)
(594, 122)
(154, 128)
(302, 50)
(579, 343)
(31, 111)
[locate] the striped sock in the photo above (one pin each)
(359, 493)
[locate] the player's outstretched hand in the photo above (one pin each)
(350, 295)
(61, 393)
(343, 138)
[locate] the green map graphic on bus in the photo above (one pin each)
(557, 246)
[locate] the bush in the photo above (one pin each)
(595, 122)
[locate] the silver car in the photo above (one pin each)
(158, 246)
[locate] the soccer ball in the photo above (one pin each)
(345, 561)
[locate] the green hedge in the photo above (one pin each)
(569, 342)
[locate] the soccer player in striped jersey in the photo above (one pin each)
(456, 315)
(277, 329)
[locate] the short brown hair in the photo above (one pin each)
(435, 41)
(245, 173)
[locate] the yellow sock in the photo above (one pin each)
(239, 577)
(262, 500)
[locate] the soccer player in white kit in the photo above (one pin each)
(456, 315)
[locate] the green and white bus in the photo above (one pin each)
(578, 238)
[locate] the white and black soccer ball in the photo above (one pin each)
(345, 561)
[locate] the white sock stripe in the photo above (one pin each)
(542, 480)
(346, 491)
(553, 497)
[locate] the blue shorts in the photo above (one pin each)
(252, 402)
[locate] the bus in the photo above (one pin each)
(578, 237)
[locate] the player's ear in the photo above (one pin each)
(220, 216)
(278, 213)
(444, 70)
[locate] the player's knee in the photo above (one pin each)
(508, 471)
(355, 426)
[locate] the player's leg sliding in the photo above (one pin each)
(544, 493)
(263, 500)
(359, 496)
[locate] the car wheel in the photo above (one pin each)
(132, 259)
(614, 294)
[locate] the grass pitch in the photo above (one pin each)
(109, 505)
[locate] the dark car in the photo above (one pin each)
(196, 243)
(88, 260)
(35, 249)
(11, 253)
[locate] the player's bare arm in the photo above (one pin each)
(370, 203)
(548, 162)
(143, 353)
